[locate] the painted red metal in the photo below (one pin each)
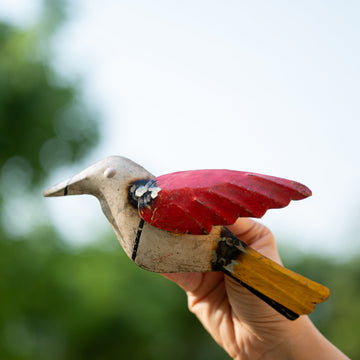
(194, 201)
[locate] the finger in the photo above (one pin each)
(256, 235)
(248, 230)
(195, 284)
(188, 281)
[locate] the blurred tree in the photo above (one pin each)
(43, 123)
(57, 302)
(91, 303)
(337, 318)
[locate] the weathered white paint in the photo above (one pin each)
(158, 250)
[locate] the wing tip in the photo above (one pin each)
(299, 190)
(302, 190)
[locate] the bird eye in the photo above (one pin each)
(109, 172)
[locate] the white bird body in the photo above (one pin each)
(159, 250)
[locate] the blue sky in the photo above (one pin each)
(270, 87)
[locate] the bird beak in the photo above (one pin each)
(60, 189)
(76, 185)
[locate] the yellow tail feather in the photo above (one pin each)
(278, 286)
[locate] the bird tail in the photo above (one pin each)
(287, 292)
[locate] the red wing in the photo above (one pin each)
(194, 201)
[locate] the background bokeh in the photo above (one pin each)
(259, 86)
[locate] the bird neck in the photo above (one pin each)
(124, 219)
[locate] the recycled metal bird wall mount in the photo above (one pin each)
(176, 223)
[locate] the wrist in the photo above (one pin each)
(304, 341)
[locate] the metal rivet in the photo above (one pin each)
(109, 172)
(141, 190)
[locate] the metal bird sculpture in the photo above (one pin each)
(176, 223)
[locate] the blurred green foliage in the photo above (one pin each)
(91, 303)
(61, 302)
(338, 317)
(43, 122)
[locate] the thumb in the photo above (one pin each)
(256, 235)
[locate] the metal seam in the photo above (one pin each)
(137, 239)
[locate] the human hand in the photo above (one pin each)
(241, 323)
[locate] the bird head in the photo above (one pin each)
(109, 180)
(99, 178)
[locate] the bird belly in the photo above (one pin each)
(164, 252)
